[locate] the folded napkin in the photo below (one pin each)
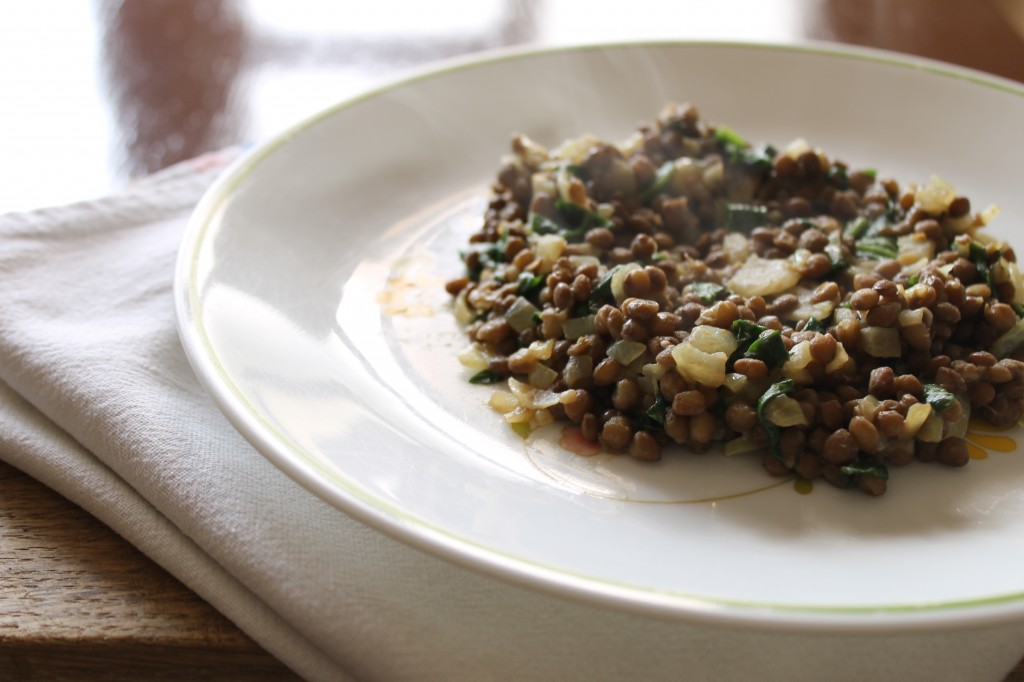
(98, 401)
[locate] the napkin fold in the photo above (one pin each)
(97, 401)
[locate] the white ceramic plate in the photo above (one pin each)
(312, 307)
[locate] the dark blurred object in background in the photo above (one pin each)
(96, 95)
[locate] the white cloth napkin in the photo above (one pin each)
(98, 401)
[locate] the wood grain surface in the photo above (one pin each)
(77, 602)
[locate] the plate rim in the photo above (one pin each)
(490, 561)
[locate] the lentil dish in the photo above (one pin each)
(685, 287)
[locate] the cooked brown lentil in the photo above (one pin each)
(687, 288)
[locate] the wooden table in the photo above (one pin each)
(99, 93)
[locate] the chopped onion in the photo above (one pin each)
(713, 339)
(1013, 271)
(578, 261)
(541, 376)
(958, 429)
(520, 415)
(531, 152)
(578, 326)
(520, 315)
(464, 314)
(764, 277)
(543, 417)
(959, 225)
(624, 352)
(839, 361)
(576, 149)
(1010, 341)
(578, 370)
(542, 183)
(795, 148)
(913, 247)
(799, 356)
(989, 214)
(653, 371)
(631, 144)
(736, 382)
(915, 419)
(687, 174)
(736, 247)
(936, 196)
(880, 342)
(531, 397)
(699, 367)
(474, 357)
(741, 445)
(619, 280)
(912, 317)
(843, 314)
(785, 411)
(542, 350)
(931, 430)
(868, 407)
(549, 248)
(714, 174)
(915, 267)
(503, 401)
(800, 376)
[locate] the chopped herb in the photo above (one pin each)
(769, 348)
(486, 376)
(839, 262)
(653, 418)
(541, 224)
(579, 171)
(746, 333)
(661, 181)
(870, 172)
(602, 294)
(912, 281)
(816, 325)
(1010, 342)
(784, 387)
(758, 343)
(728, 136)
(877, 247)
(979, 256)
(861, 469)
(861, 227)
(745, 217)
(856, 228)
(709, 292)
(572, 224)
(758, 160)
(489, 255)
(849, 474)
(530, 285)
(1018, 308)
(580, 309)
(938, 397)
(837, 174)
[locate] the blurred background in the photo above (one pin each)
(94, 94)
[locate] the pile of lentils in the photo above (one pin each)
(684, 289)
